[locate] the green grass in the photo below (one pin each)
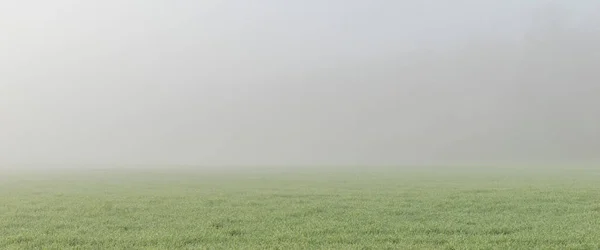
(428, 208)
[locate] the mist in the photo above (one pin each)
(215, 83)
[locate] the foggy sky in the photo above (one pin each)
(299, 82)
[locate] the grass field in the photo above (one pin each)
(425, 208)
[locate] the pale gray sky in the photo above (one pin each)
(297, 82)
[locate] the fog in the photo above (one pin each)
(248, 83)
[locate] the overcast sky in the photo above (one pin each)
(294, 82)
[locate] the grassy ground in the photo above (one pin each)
(428, 208)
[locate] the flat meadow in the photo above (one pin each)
(287, 208)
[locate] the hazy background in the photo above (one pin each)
(272, 82)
